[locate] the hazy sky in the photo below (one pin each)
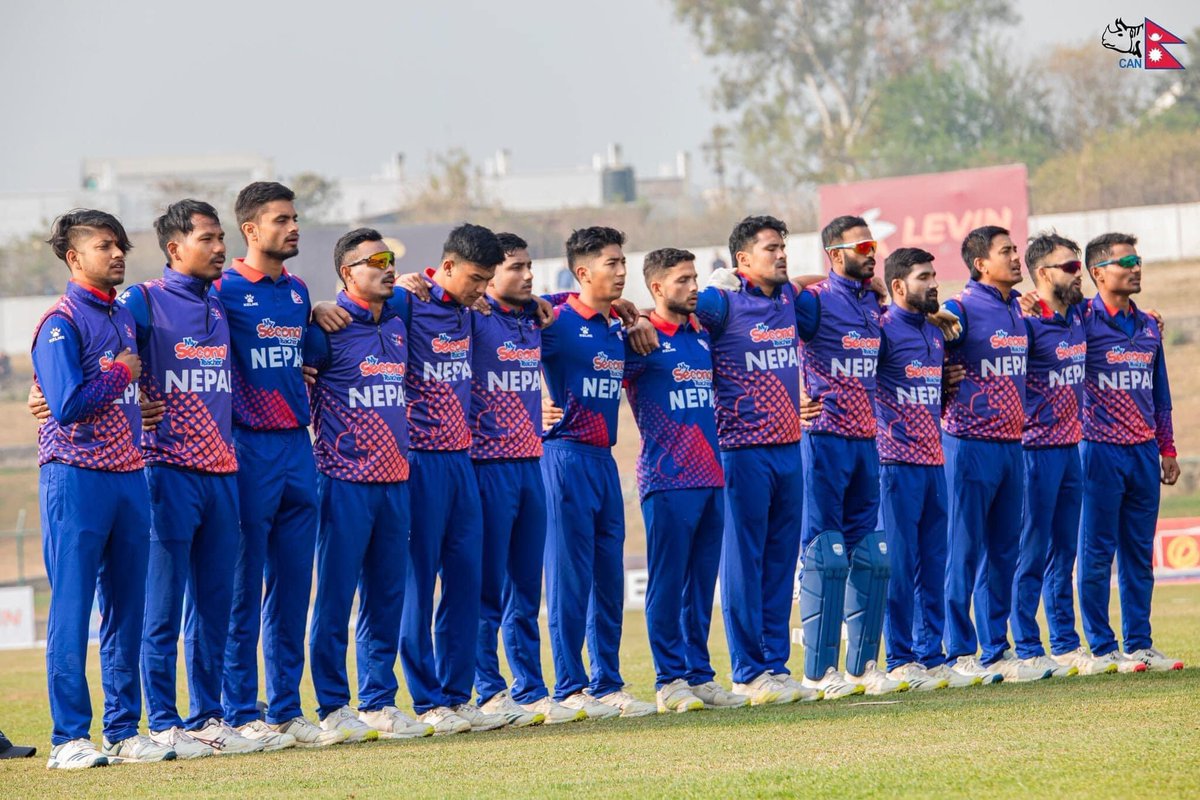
(341, 86)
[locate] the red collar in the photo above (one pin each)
(1047, 311)
(250, 273)
(670, 328)
(109, 298)
(585, 311)
(1114, 312)
(357, 301)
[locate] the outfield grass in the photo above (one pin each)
(1106, 736)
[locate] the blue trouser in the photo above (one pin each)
(912, 513)
(446, 542)
(585, 567)
(1120, 513)
(683, 552)
(95, 530)
(514, 544)
(193, 548)
(1053, 494)
(362, 542)
(985, 480)
(764, 503)
(841, 494)
(277, 486)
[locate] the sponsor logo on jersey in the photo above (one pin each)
(584, 333)
(1003, 339)
(613, 366)
(285, 334)
(56, 335)
(106, 361)
(916, 370)
(390, 371)
(1071, 352)
(207, 355)
(249, 301)
(856, 341)
(525, 356)
(1119, 355)
(683, 374)
(443, 345)
(779, 337)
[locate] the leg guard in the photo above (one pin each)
(866, 596)
(822, 593)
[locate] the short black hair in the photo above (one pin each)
(177, 220)
(348, 242)
(745, 232)
(831, 234)
(1101, 247)
(900, 263)
(511, 243)
(1042, 244)
(68, 227)
(474, 244)
(659, 261)
(590, 241)
(250, 200)
(978, 244)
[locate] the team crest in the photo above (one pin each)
(296, 298)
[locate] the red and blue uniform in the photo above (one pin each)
(756, 366)
(506, 444)
(985, 473)
(183, 339)
(277, 488)
(93, 501)
(680, 483)
(845, 558)
(912, 485)
(360, 427)
(1126, 427)
(583, 362)
(1053, 482)
(447, 536)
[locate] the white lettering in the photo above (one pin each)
(919, 395)
(853, 367)
(197, 380)
(514, 381)
(691, 398)
(1125, 381)
(775, 358)
(381, 395)
(604, 388)
(446, 371)
(1007, 366)
(275, 356)
(1067, 376)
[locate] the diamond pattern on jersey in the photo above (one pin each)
(259, 408)
(366, 451)
(911, 434)
(446, 422)
(764, 412)
(192, 436)
(506, 417)
(685, 455)
(1114, 417)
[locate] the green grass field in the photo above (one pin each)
(1105, 736)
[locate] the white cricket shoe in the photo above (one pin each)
(444, 721)
(185, 746)
(480, 720)
(308, 734)
(1016, 670)
(1126, 664)
(765, 690)
(1116, 661)
(582, 701)
(515, 715)
(803, 693)
(875, 682)
(834, 685)
(969, 666)
(346, 722)
(628, 705)
(223, 739)
(714, 695)
(261, 731)
(1155, 660)
(392, 723)
(76, 754)
(917, 677)
(1057, 670)
(1084, 662)
(556, 713)
(136, 749)
(677, 696)
(954, 679)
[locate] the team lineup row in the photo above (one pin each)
(176, 462)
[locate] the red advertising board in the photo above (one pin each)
(935, 212)
(1177, 548)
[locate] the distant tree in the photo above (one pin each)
(28, 267)
(452, 188)
(315, 194)
(806, 77)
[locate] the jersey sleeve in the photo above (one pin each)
(57, 363)
(712, 309)
(550, 336)
(134, 301)
(955, 308)
(558, 298)
(808, 314)
(1164, 428)
(635, 366)
(317, 351)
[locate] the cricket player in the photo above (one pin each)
(1128, 450)
(1053, 474)
(912, 481)
(183, 337)
(680, 484)
(583, 363)
(506, 448)
(92, 494)
(268, 311)
(982, 426)
(756, 366)
(360, 426)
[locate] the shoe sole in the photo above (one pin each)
(579, 717)
(416, 735)
(101, 762)
(682, 708)
(115, 760)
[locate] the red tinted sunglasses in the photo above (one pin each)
(1069, 267)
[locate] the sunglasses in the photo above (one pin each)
(1128, 262)
(378, 261)
(863, 248)
(1069, 267)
